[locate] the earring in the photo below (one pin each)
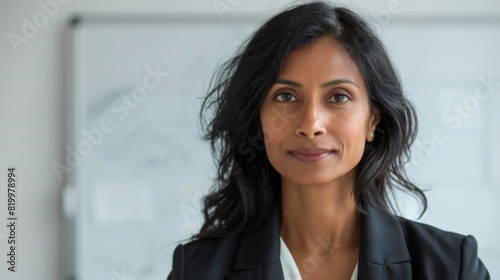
(371, 134)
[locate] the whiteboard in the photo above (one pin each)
(136, 90)
(133, 104)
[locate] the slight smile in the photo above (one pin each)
(311, 155)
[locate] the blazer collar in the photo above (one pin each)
(383, 252)
(258, 255)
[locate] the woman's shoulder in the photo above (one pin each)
(426, 233)
(205, 247)
(430, 246)
(205, 258)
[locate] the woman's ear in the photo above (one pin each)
(374, 120)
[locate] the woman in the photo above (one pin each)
(311, 131)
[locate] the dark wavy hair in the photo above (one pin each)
(247, 186)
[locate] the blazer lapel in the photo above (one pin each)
(383, 254)
(258, 255)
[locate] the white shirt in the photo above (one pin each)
(290, 269)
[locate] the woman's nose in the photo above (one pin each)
(310, 122)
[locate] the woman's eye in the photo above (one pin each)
(284, 97)
(339, 98)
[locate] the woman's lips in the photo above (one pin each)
(311, 155)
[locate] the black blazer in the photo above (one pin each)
(391, 248)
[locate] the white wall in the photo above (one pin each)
(32, 113)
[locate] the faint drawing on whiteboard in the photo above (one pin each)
(140, 85)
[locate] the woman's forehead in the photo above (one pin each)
(322, 60)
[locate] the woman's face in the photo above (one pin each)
(316, 118)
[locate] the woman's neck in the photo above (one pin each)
(319, 218)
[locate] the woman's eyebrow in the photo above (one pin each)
(330, 83)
